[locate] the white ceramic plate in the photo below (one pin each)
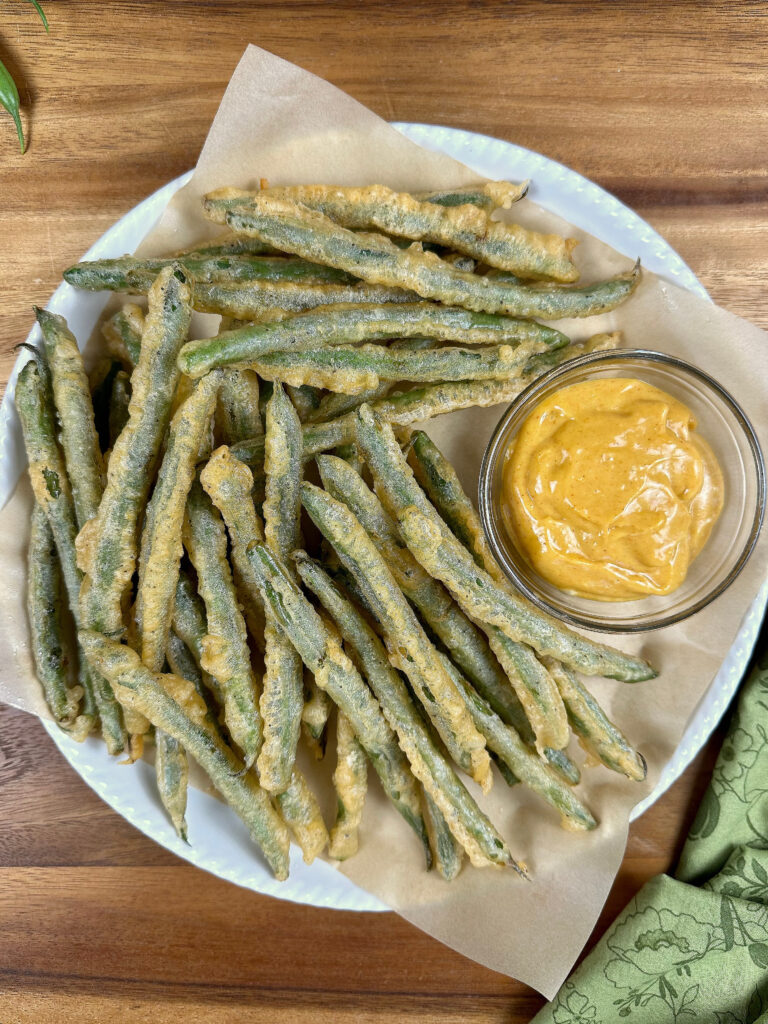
(219, 842)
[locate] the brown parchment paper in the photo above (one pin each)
(279, 122)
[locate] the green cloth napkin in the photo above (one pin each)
(695, 947)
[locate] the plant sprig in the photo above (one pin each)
(9, 94)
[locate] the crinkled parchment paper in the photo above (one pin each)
(281, 123)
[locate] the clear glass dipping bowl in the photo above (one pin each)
(720, 421)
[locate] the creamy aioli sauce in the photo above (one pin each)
(609, 492)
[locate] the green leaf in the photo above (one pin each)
(759, 953)
(726, 922)
(9, 98)
(41, 12)
(707, 817)
(759, 871)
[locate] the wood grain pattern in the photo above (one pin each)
(665, 104)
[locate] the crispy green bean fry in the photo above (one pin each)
(350, 780)
(161, 546)
(107, 546)
(422, 403)
(377, 260)
(123, 330)
(277, 300)
(447, 851)
(305, 399)
(321, 651)
(465, 228)
(237, 412)
(225, 648)
(464, 818)
(492, 195)
(227, 245)
(191, 628)
(48, 642)
(362, 323)
(50, 486)
(72, 397)
(283, 684)
(597, 733)
(129, 274)
(173, 705)
(407, 642)
(350, 369)
(172, 775)
(300, 811)
(523, 762)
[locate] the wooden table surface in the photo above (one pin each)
(664, 104)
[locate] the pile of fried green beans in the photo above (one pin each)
(240, 544)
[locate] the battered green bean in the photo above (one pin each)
(277, 300)
(305, 399)
(407, 642)
(491, 195)
(50, 486)
(124, 330)
(300, 811)
(190, 625)
(227, 245)
(119, 405)
(351, 369)
(161, 544)
(225, 647)
(597, 733)
(283, 685)
(353, 324)
(377, 260)
(422, 403)
(526, 765)
(130, 274)
(172, 775)
(447, 851)
(237, 412)
(430, 766)
(350, 780)
(444, 557)
(321, 651)
(173, 706)
(314, 718)
(48, 643)
(72, 397)
(464, 227)
(229, 484)
(107, 544)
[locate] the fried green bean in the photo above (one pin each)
(278, 300)
(447, 851)
(161, 544)
(305, 399)
(123, 330)
(430, 766)
(320, 649)
(444, 557)
(173, 706)
(191, 627)
(229, 484)
(377, 260)
(314, 718)
(350, 780)
(492, 195)
(172, 776)
(119, 405)
(465, 227)
(283, 685)
(363, 323)
(351, 369)
(300, 811)
(597, 733)
(441, 484)
(227, 245)
(225, 647)
(406, 640)
(130, 274)
(74, 407)
(50, 485)
(523, 762)
(48, 642)
(237, 411)
(423, 403)
(107, 545)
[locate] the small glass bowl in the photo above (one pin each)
(720, 421)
